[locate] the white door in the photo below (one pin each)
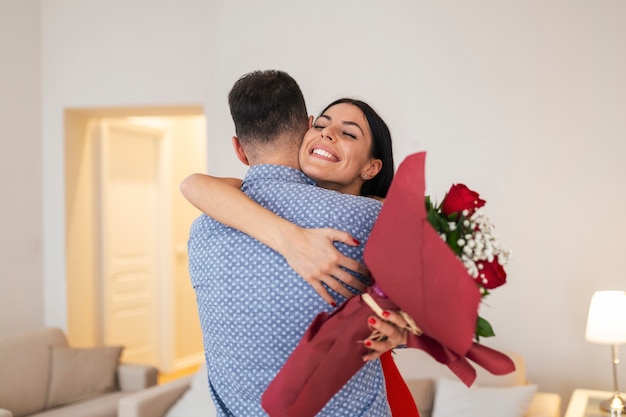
(130, 189)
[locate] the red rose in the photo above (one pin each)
(491, 274)
(461, 198)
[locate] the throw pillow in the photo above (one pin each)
(454, 399)
(77, 374)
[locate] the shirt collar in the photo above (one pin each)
(276, 172)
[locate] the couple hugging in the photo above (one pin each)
(264, 265)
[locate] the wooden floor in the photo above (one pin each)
(162, 378)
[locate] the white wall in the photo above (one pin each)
(107, 54)
(522, 100)
(21, 252)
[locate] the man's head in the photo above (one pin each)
(270, 117)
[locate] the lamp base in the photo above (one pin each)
(616, 403)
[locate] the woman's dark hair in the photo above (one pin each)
(381, 148)
(265, 104)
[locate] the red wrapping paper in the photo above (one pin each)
(418, 274)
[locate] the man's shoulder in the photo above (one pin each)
(334, 197)
(312, 206)
(201, 224)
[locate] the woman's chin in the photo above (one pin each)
(317, 168)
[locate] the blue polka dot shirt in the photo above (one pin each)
(254, 308)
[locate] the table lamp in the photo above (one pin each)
(606, 324)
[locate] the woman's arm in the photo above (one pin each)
(310, 252)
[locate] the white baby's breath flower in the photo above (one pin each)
(470, 265)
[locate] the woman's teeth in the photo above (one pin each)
(323, 153)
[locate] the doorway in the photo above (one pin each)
(127, 226)
(130, 189)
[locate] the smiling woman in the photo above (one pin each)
(336, 150)
(346, 150)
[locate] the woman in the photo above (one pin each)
(348, 150)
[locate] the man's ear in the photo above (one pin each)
(241, 154)
(310, 121)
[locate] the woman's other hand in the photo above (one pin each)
(388, 332)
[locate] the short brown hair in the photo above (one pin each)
(266, 104)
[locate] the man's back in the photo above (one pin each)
(254, 309)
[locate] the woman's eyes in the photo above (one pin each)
(350, 135)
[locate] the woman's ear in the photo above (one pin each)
(373, 169)
(310, 121)
(241, 154)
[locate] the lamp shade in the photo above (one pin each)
(606, 322)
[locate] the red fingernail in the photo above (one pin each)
(371, 320)
(386, 314)
(333, 304)
(356, 241)
(367, 343)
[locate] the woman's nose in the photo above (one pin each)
(328, 133)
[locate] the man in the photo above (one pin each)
(253, 307)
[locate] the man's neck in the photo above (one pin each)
(280, 152)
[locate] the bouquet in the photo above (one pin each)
(416, 272)
(461, 223)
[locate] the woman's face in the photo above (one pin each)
(336, 151)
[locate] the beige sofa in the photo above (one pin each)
(189, 396)
(41, 376)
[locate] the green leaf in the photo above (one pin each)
(433, 219)
(428, 202)
(483, 328)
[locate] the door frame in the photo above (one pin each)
(80, 309)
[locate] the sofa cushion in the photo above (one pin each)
(24, 370)
(454, 399)
(77, 374)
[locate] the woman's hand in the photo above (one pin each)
(313, 256)
(388, 332)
